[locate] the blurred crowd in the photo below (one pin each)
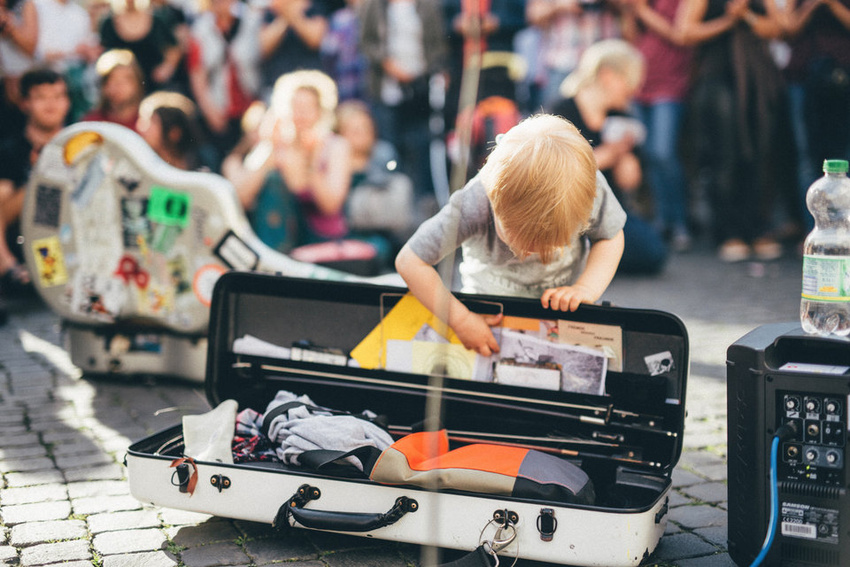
(354, 120)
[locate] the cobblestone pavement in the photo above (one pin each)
(63, 491)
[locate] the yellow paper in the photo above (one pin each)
(451, 360)
(401, 323)
(49, 261)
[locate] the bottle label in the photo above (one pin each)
(826, 278)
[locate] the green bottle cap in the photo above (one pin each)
(835, 166)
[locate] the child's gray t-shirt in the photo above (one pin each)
(488, 264)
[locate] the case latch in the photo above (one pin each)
(220, 482)
(547, 524)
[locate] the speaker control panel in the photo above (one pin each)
(817, 452)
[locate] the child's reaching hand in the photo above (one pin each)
(567, 298)
(474, 332)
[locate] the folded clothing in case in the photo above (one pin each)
(424, 459)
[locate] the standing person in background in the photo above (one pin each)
(133, 26)
(568, 27)
(290, 38)
(744, 150)
(341, 56)
(818, 75)
(45, 102)
(597, 94)
(121, 88)
(177, 23)
(223, 65)
(404, 42)
(68, 44)
(18, 38)
(660, 106)
(493, 24)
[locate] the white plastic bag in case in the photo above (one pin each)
(209, 436)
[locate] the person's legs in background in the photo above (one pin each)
(665, 174)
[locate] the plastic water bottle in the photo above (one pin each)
(825, 303)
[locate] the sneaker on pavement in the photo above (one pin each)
(767, 249)
(733, 250)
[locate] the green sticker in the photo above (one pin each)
(169, 207)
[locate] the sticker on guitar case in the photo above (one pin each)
(204, 282)
(169, 207)
(48, 205)
(236, 253)
(49, 262)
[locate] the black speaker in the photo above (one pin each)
(777, 374)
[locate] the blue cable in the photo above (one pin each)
(774, 505)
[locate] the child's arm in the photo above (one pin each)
(425, 284)
(602, 261)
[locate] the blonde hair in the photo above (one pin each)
(351, 108)
(287, 85)
(541, 181)
(614, 54)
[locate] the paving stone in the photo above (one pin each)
(682, 477)
(67, 437)
(77, 550)
(14, 435)
(79, 446)
(212, 531)
(33, 478)
(32, 533)
(146, 559)
(680, 546)
(701, 516)
(8, 555)
(214, 555)
(714, 472)
(13, 515)
(709, 492)
(117, 444)
(10, 416)
(23, 452)
(174, 517)
(105, 472)
(671, 528)
(256, 530)
(331, 542)
(30, 494)
(717, 560)
(100, 504)
(698, 459)
(114, 521)
(129, 541)
(280, 549)
(26, 465)
(375, 557)
(718, 535)
(94, 488)
(88, 461)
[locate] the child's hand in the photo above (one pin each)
(474, 332)
(566, 298)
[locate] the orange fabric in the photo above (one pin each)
(429, 450)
